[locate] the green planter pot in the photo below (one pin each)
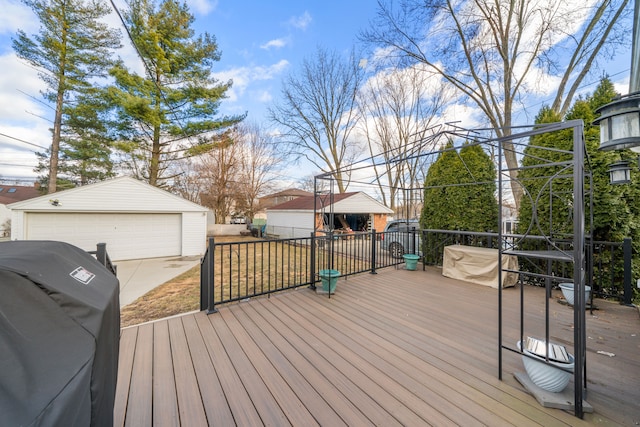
(411, 261)
(329, 280)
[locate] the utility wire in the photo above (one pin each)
(15, 164)
(22, 140)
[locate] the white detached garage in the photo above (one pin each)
(357, 210)
(134, 219)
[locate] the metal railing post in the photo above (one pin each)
(101, 253)
(374, 248)
(204, 298)
(627, 251)
(210, 279)
(312, 267)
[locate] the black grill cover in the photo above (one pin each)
(59, 336)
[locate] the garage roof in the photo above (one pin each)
(123, 194)
(355, 202)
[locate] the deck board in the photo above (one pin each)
(334, 387)
(268, 408)
(435, 386)
(442, 406)
(447, 355)
(282, 392)
(208, 382)
(125, 367)
(397, 401)
(140, 405)
(396, 348)
(188, 393)
(321, 411)
(165, 403)
(236, 396)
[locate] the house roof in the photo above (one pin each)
(16, 193)
(123, 194)
(355, 202)
(292, 192)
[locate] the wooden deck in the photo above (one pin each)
(397, 348)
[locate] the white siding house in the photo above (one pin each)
(134, 219)
(358, 211)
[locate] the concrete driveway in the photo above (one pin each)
(139, 276)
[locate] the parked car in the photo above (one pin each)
(402, 236)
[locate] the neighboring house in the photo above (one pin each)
(134, 219)
(11, 194)
(355, 211)
(274, 199)
(509, 219)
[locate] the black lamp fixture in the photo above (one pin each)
(620, 172)
(620, 120)
(620, 123)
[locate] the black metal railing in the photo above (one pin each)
(103, 258)
(608, 263)
(240, 270)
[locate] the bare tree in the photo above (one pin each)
(218, 170)
(230, 178)
(398, 106)
(258, 161)
(310, 183)
(496, 51)
(317, 114)
(187, 182)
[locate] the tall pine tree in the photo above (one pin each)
(72, 51)
(170, 112)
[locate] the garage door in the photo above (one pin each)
(128, 236)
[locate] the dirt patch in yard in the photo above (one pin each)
(177, 296)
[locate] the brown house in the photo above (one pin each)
(11, 194)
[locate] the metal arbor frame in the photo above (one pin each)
(573, 168)
(577, 256)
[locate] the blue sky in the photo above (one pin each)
(261, 43)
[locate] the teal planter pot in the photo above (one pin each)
(411, 261)
(329, 280)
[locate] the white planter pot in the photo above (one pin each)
(552, 376)
(567, 292)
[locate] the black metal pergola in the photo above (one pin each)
(574, 167)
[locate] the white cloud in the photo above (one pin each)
(301, 22)
(16, 16)
(244, 77)
(202, 7)
(276, 43)
(19, 83)
(264, 96)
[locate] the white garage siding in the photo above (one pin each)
(287, 224)
(194, 230)
(128, 236)
(134, 219)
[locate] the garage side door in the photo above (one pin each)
(128, 236)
